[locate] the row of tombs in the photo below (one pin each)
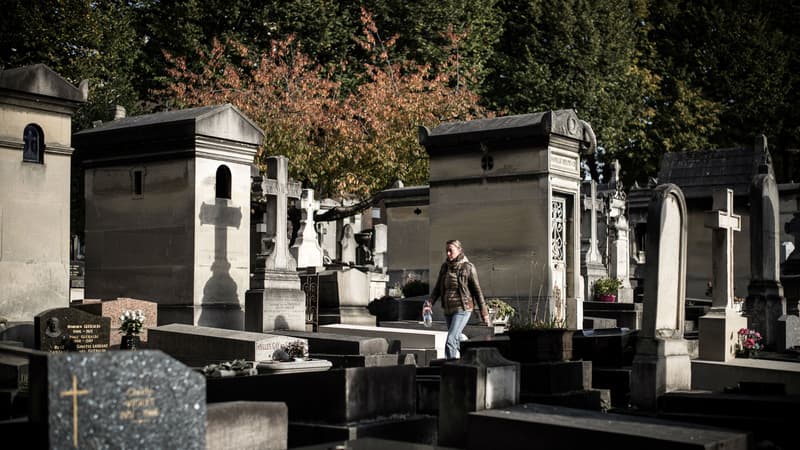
(175, 213)
(188, 386)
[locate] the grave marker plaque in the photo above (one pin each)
(68, 329)
(142, 399)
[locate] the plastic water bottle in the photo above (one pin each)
(427, 315)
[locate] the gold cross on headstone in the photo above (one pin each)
(74, 393)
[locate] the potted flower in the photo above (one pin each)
(132, 324)
(499, 311)
(605, 289)
(749, 343)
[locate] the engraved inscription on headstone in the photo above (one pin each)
(142, 399)
(68, 329)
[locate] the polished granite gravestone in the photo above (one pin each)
(120, 399)
(68, 329)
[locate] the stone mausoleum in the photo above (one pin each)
(36, 107)
(168, 212)
(508, 188)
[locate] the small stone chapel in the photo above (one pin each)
(36, 108)
(508, 188)
(168, 212)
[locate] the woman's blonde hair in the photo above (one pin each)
(454, 242)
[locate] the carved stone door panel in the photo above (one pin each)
(558, 257)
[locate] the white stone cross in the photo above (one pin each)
(724, 222)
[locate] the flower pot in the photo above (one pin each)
(608, 298)
(129, 342)
(540, 345)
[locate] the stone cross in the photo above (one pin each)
(724, 222)
(719, 328)
(306, 248)
(276, 187)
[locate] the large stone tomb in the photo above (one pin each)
(198, 346)
(337, 404)
(518, 176)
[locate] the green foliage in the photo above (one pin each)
(607, 286)
(502, 309)
(416, 288)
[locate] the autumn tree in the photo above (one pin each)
(339, 141)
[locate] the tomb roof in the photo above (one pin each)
(39, 79)
(541, 124)
(217, 131)
(697, 173)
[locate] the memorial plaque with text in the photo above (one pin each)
(68, 329)
(142, 399)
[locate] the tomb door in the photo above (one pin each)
(558, 258)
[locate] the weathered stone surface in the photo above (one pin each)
(261, 425)
(661, 363)
(142, 399)
(339, 344)
(198, 346)
(481, 379)
(334, 396)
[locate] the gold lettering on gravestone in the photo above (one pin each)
(74, 393)
(85, 337)
(139, 405)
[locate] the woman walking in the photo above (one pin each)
(457, 286)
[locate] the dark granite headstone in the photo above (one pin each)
(142, 399)
(68, 329)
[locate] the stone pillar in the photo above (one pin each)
(275, 300)
(481, 379)
(592, 267)
(661, 363)
(718, 328)
(765, 303)
(619, 251)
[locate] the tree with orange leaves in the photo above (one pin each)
(341, 143)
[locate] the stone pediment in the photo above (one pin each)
(39, 79)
